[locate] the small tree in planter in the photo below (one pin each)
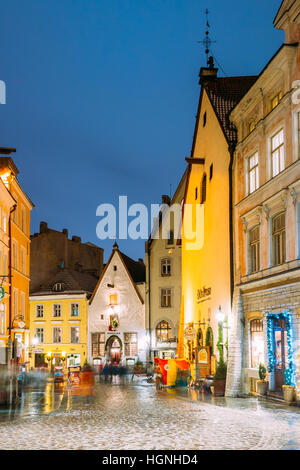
(288, 389)
(220, 379)
(262, 383)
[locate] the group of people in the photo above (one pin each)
(113, 372)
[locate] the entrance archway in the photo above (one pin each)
(114, 349)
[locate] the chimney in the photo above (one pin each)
(76, 239)
(141, 261)
(65, 232)
(208, 73)
(165, 199)
(43, 227)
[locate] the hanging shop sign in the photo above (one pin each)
(189, 333)
(203, 294)
(2, 292)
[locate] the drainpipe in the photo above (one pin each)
(231, 149)
(149, 302)
(10, 271)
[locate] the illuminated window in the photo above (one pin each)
(254, 248)
(113, 299)
(253, 173)
(74, 310)
(130, 344)
(277, 153)
(98, 344)
(278, 239)
(165, 298)
(74, 334)
(275, 101)
(166, 267)
(39, 335)
(163, 331)
(257, 343)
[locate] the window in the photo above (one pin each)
(253, 173)
(115, 268)
(74, 310)
(165, 298)
(130, 344)
(113, 299)
(74, 334)
(39, 334)
(4, 223)
(275, 101)
(98, 344)
(56, 334)
(15, 215)
(39, 311)
(23, 219)
(163, 331)
(211, 170)
(203, 189)
(23, 260)
(257, 343)
(166, 267)
(196, 193)
(15, 255)
(278, 239)
(58, 287)
(3, 320)
(254, 248)
(56, 310)
(251, 126)
(277, 153)
(204, 119)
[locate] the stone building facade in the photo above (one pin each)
(52, 250)
(264, 325)
(163, 285)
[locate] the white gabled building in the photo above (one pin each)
(116, 312)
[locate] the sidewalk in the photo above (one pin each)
(249, 402)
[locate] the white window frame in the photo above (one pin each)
(78, 328)
(169, 294)
(270, 151)
(53, 310)
(3, 321)
(168, 262)
(57, 328)
(74, 303)
(36, 335)
(36, 311)
(256, 167)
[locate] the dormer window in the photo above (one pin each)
(58, 287)
(275, 101)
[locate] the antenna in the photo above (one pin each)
(207, 42)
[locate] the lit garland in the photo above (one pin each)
(290, 371)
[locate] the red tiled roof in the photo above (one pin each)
(224, 94)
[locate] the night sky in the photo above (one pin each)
(102, 96)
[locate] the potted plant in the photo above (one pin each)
(288, 389)
(219, 383)
(115, 323)
(262, 384)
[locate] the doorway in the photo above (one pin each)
(113, 348)
(281, 361)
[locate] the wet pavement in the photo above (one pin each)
(136, 416)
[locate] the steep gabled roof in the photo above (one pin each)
(224, 93)
(73, 281)
(136, 271)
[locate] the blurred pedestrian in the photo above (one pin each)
(87, 382)
(115, 372)
(105, 372)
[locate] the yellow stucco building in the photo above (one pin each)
(207, 278)
(58, 320)
(16, 224)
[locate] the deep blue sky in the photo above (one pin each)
(102, 96)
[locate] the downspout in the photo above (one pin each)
(149, 302)
(231, 149)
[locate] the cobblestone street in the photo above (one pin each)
(136, 416)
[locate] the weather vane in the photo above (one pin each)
(207, 41)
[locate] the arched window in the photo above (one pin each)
(210, 340)
(163, 331)
(203, 189)
(257, 342)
